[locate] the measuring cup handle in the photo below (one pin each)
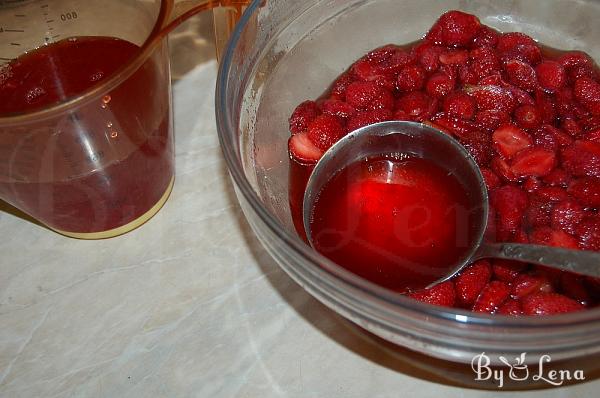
(578, 261)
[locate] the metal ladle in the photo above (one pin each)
(396, 138)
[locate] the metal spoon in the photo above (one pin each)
(398, 138)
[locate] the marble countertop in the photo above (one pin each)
(188, 305)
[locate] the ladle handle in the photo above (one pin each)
(578, 261)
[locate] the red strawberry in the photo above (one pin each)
(493, 295)
(439, 85)
(557, 178)
(454, 57)
(325, 131)
(479, 146)
(532, 184)
(588, 232)
(398, 60)
(510, 308)
(471, 281)
(368, 96)
(508, 41)
(528, 117)
(552, 237)
(546, 107)
(539, 211)
(491, 120)
(587, 191)
(521, 75)
(338, 89)
(534, 161)
(507, 270)
(302, 150)
(460, 104)
(338, 108)
(487, 37)
(302, 116)
(566, 215)
(551, 138)
(582, 158)
(428, 56)
(510, 140)
(361, 119)
(571, 127)
(549, 304)
(526, 284)
(526, 53)
(521, 96)
(484, 62)
(551, 75)
(587, 91)
(381, 54)
(502, 169)
(573, 286)
(455, 28)
(411, 78)
(510, 203)
(442, 294)
(492, 181)
(553, 194)
(575, 58)
(416, 104)
(492, 98)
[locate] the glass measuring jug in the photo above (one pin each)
(96, 161)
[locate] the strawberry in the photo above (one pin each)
(302, 150)
(502, 169)
(460, 104)
(549, 304)
(552, 237)
(361, 119)
(553, 194)
(487, 37)
(534, 161)
(566, 215)
(573, 286)
(508, 41)
(507, 270)
(454, 57)
(411, 78)
(510, 308)
(528, 117)
(557, 178)
(527, 53)
(302, 116)
(442, 294)
(399, 59)
(325, 131)
(491, 119)
(588, 232)
(428, 56)
(455, 29)
(492, 97)
(491, 297)
(587, 191)
(521, 75)
(439, 85)
(338, 89)
(571, 127)
(551, 138)
(479, 146)
(338, 108)
(531, 184)
(526, 284)
(492, 181)
(551, 75)
(587, 91)
(416, 104)
(510, 140)
(539, 212)
(582, 158)
(368, 96)
(383, 53)
(546, 106)
(575, 58)
(471, 281)
(510, 203)
(484, 62)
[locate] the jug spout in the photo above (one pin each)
(226, 14)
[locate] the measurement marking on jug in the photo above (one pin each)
(14, 30)
(14, 44)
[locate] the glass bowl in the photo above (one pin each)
(286, 51)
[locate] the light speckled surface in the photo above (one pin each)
(189, 305)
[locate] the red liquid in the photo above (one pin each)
(397, 223)
(96, 167)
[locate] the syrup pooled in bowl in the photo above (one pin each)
(398, 222)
